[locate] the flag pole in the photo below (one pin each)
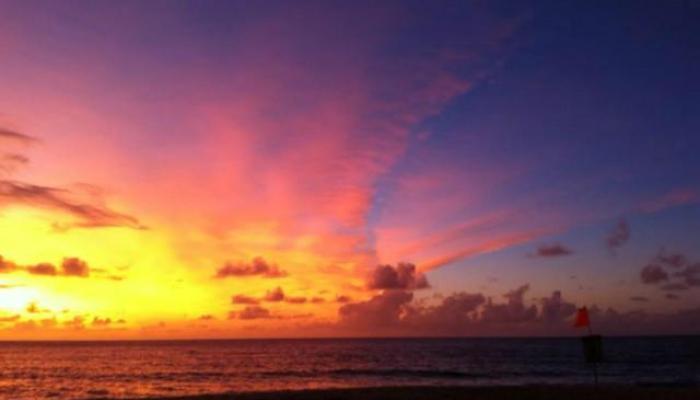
(595, 363)
(591, 344)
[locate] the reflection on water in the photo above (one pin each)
(142, 369)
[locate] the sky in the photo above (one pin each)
(327, 168)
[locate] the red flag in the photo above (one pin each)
(582, 319)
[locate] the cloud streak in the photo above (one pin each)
(87, 215)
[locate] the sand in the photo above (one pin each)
(470, 393)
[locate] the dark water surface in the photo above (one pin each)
(141, 369)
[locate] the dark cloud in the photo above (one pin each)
(613, 322)
(673, 268)
(258, 267)
(6, 266)
(10, 162)
(690, 275)
(674, 260)
(75, 267)
(513, 311)
(639, 299)
(455, 312)
(553, 250)
(652, 274)
(47, 269)
(402, 277)
(619, 235)
(78, 322)
(9, 318)
(555, 309)
(342, 299)
(71, 266)
(395, 312)
(33, 308)
(87, 215)
(243, 299)
(295, 300)
(274, 295)
(380, 311)
(317, 300)
(671, 296)
(101, 322)
(10, 135)
(675, 287)
(252, 312)
(206, 317)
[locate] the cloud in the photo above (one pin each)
(317, 300)
(385, 309)
(258, 267)
(75, 267)
(47, 269)
(619, 235)
(454, 312)
(295, 300)
(10, 162)
(674, 198)
(555, 309)
(243, 299)
(342, 299)
(674, 268)
(613, 322)
(690, 275)
(9, 318)
(101, 322)
(33, 308)
(6, 266)
(14, 136)
(483, 247)
(671, 296)
(274, 295)
(403, 277)
(639, 299)
(652, 274)
(78, 322)
(251, 312)
(675, 287)
(87, 215)
(513, 311)
(553, 250)
(674, 260)
(395, 312)
(71, 266)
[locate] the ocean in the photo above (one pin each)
(78, 370)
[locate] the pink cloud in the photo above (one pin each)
(674, 198)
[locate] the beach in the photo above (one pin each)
(567, 392)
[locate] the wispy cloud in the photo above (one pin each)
(87, 215)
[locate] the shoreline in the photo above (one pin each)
(528, 392)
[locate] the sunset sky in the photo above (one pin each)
(342, 168)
